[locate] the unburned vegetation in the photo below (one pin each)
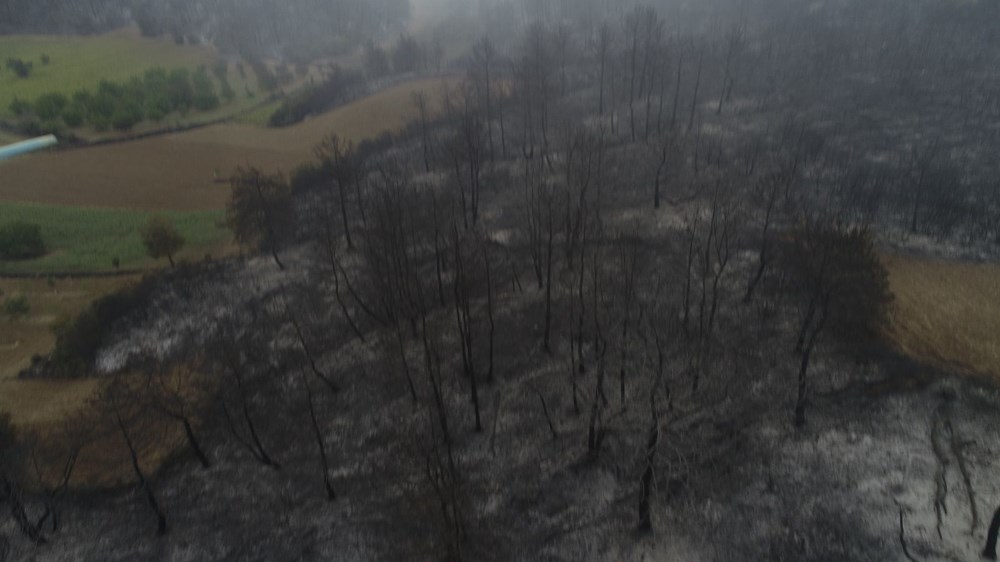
(81, 240)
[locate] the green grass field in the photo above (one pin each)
(81, 239)
(82, 62)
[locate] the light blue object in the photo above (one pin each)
(24, 147)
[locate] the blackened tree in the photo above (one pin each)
(844, 288)
(259, 211)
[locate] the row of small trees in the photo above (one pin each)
(157, 94)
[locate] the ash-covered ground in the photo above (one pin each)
(885, 441)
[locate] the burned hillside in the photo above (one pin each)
(623, 297)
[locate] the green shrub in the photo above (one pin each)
(73, 115)
(21, 241)
(126, 116)
(204, 91)
(19, 67)
(161, 239)
(49, 106)
(79, 339)
(20, 107)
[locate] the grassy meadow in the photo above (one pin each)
(81, 62)
(82, 239)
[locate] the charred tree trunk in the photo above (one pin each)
(677, 90)
(694, 96)
(161, 520)
(659, 175)
(272, 235)
(463, 317)
(802, 395)
(548, 279)
(645, 519)
(53, 495)
(595, 433)
(762, 255)
(318, 434)
(343, 214)
(438, 258)
(489, 310)
(12, 495)
(334, 387)
(343, 305)
(401, 344)
(256, 446)
(990, 551)
(420, 100)
(193, 443)
(545, 411)
(800, 341)
(692, 232)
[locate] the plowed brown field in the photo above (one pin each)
(179, 171)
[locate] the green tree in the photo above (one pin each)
(161, 239)
(20, 107)
(73, 115)
(179, 89)
(205, 98)
(49, 106)
(21, 241)
(19, 67)
(126, 115)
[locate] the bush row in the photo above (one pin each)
(341, 86)
(122, 105)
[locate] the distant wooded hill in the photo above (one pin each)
(297, 29)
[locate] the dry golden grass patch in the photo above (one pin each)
(947, 313)
(61, 415)
(33, 402)
(103, 460)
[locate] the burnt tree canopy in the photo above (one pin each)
(841, 265)
(845, 289)
(259, 211)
